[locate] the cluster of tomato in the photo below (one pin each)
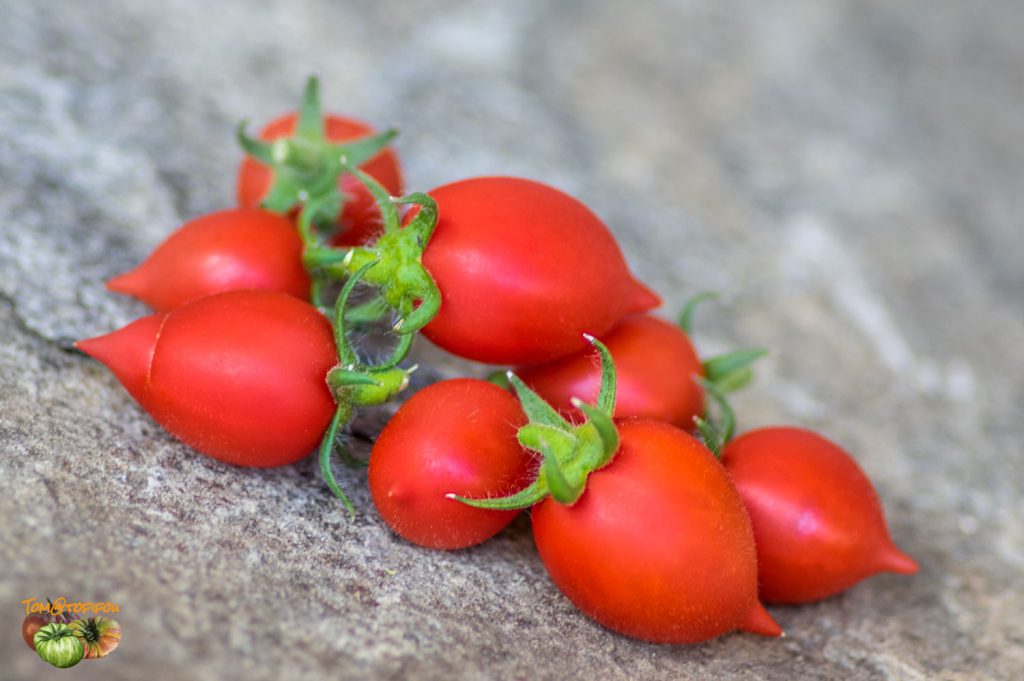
(64, 642)
(646, 513)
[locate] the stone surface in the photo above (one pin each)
(848, 174)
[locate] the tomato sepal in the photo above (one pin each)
(716, 433)
(690, 308)
(729, 371)
(571, 452)
(306, 165)
(405, 284)
(732, 370)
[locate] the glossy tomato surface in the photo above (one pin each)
(456, 436)
(360, 220)
(224, 251)
(659, 546)
(524, 270)
(817, 519)
(655, 365)
(239, 376)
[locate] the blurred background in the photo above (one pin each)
(847, 174)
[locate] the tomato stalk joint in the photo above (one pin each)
(356, 384)
(571, 452)
(405, 284)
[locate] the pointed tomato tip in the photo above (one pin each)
(129, 283)
(762, 623)
(891, 559)
(644, 298)
(127, 352)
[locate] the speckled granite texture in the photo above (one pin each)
(848, 174)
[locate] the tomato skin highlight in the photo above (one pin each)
(524, 270)
(457, 436)
(819, 524)
(223, 251)
(360, 218)
(239, 376)
(659, 546)
(655, 364)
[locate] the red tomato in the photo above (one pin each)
(453, 436)
(223, 251)
(659, 546)
(360, 219)
(655, 364)
(524, 270)
(30, 625)
(817, 520)
(239, 376)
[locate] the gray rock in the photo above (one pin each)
(847, 173)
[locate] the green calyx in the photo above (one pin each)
(721, 375)
(570, 452)
(356, 384)
(716, 432)
(364, 387)
(307, 165)
(727, 372)
(404, 284)
(733, 370)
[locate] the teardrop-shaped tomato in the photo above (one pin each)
(224, 251)
(659, 546)
(239, 376)
(817, 519)
(655, 365)
(524, 271)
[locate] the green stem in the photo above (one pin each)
(731, 371)
(322, 256)
(399, 353)
(367, 313)
(310, 242)
(499, 378)
(342, 415)
(686, 316)
(346, 353)
(716, 433)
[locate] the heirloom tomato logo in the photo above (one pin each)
(64, 632)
